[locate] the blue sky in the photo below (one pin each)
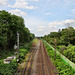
(42, 16)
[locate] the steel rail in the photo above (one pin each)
(42, 59)
(27, 62)
(31, 56)
(30, 65)
(46, 60)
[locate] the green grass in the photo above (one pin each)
(35, 41)
(8, 69)
(63, 69)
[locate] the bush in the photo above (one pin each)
(8, 69)
(23, 52)
(70, 53)
(63, 69)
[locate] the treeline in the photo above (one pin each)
(63, 37)
(65, 42)
(9, 25)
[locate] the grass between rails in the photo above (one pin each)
(11, 68)
(63, 69)
(35, 41)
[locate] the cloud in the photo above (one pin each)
(30, 29)
(22, 4)
(17, 12)
(73, 11)
(3, 2)
(41, 27)
(64, 22)
(48, 13)
(39, 30)
(48, 30)
(69, 2)
(0, 9)
(34, 0)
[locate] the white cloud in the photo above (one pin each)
(48, 13)
(34, 0)
(48, 30)
(3, 2)
(18, 12)
(64, 22)
(73, 11)
(30, 29)
(0, 9)
(39, 30)
(22, 4)
(69, 2)
(41, 27)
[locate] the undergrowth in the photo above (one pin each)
(63, 68)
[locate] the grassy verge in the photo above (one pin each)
(63, 69)
(7, 69)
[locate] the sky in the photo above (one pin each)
(42, 16)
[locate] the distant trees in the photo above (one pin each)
(68, 36)
(64, 37)
(9, 25)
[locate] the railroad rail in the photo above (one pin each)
(45, 61)
(28, 65)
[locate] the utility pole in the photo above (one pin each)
(17, 46)
(59, 33)
(29, 38)
(55, 49)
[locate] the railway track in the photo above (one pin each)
(43, 64)
(45, 61)
(28, 65)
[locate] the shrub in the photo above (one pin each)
(63, 68)
(8, 69)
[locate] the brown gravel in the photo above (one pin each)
(42, 65)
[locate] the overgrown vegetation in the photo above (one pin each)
(64, 42)
(68, 51)
(62, 67)
(8, 69)
(9, 25)
(24, 49)
(11, 68)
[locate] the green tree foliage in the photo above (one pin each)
(65, 42)
(64, 37)
(68, 36)
(9, 25)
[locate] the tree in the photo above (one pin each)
(9, 25)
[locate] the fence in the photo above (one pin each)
(67, 61)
